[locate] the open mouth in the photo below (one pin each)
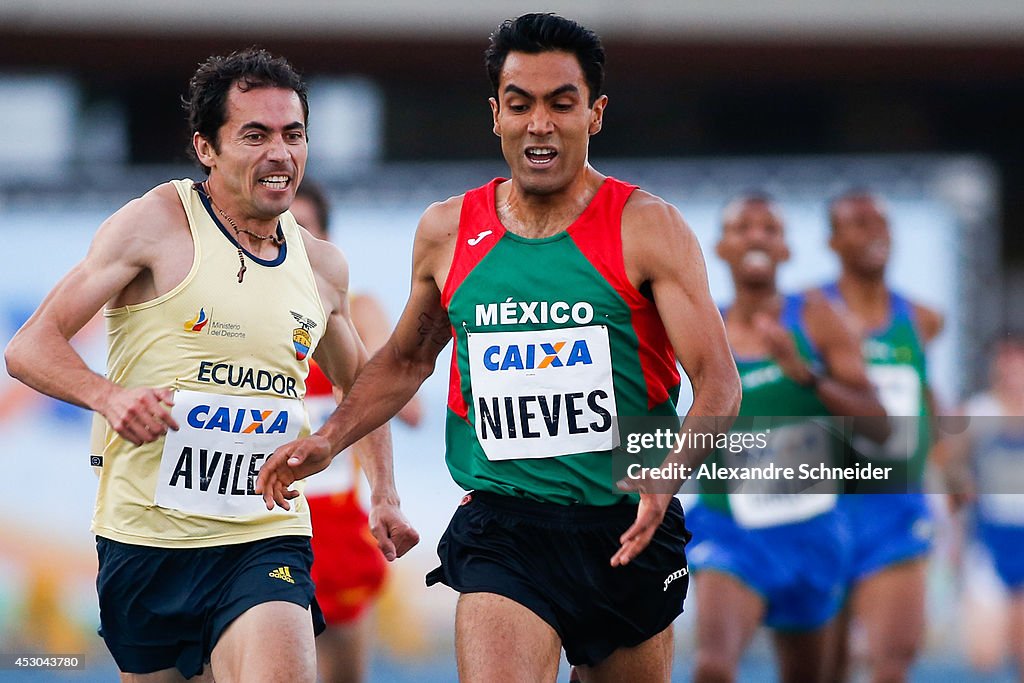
(878, 250)
(275, 182)
(541, 155)
(757, 258)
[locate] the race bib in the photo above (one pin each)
(770, 502)
(1002, 508)
(209, 466)
(1001, 485)
(540, 394)
(757, 510)
(899, 391)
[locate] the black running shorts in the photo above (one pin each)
(555, 560)
(162, 608)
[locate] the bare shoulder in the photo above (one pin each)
(436, 235)
(826, 323)
(370, 320)
(323, 255)
(141, 229)
(929, 321)
(655, 236)
(153, 212)
(652, 213)
(439, 224)
(818, 306)
(328, 263)
(837, 304)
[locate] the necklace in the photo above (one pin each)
(274, 239)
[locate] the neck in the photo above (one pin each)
(251, 234)
(543, 215)
(867, 297)
(753, 300)
(225, 203)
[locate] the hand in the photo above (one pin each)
(139, 414)
(295, 460)
(395, 536)
(649, 516)
(782, 348)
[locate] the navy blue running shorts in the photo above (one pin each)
(555, 561)
(167, 607)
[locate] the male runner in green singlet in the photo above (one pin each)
(772, 552)
(890, 525)
(569, 295)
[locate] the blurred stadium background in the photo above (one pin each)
(920, 100)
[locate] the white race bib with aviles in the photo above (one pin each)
(209, 466)
(542, 393)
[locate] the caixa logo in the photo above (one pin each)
(238, 420)
(536, 356)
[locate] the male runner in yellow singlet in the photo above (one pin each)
(214, 300)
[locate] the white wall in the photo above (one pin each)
(815, 20)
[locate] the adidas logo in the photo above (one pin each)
(283, 573)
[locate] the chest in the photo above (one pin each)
(522, 285)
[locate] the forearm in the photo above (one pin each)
(713, 412)
(867, 415)
(842, 399)
(382, 388)
(55, 369)
(952, 456)
(716, 400)
(374, 453)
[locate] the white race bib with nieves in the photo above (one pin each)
(542, 393)
(762, 503)
(209, 466)
(899, 392)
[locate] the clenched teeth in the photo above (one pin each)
(276, 182)
(757, 258)
(541, 155)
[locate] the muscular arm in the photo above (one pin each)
(929, 325)
(666, 254)
(120, 259)
(844, 388)
(341, 355)
(952, 455)
(661, 250)
(392, 376)
(407, 358)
